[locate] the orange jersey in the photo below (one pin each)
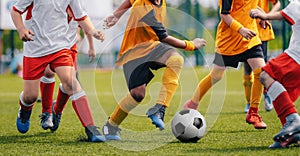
(228, 41)
(268, 33)
(144, 30)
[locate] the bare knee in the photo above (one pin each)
(266, 79)
(30, 99)
(138, 93)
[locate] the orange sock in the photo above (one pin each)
(121, 111)
(206, 83)
(247, 82)
(257, 89)
(170, 80)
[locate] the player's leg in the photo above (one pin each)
(247, 82)
(256, 62)
(47, 84)
(204, 85)
(70, 84)
(173, 62)
(267, 101)
(26, 101)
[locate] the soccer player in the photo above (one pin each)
(281, 76)
(45, 37)
(266, 34)
(236, 41)
(146, 46)
(48, 81)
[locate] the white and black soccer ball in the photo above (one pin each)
(188, 125)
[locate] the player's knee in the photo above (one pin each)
(30, 99)
(216, 75)
(263, 77)
(175, 61)
(138, 93)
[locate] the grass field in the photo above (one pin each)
(228, 133)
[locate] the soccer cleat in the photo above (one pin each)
(246, 109)
(111, 132)
(23, 120)
(46, 120)
(157, 114)
(268, 102)
(93, 134)
(292, 126)
(55, 118)
(190, 105)
(292, 140)
(256, 120)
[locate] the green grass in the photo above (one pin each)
(228, 133)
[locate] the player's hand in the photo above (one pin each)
(247, 33)
(199, 42)
(98, 34)
(92, 55)
(25, 34)
(110, 21)
(258, 13)
(264, 24)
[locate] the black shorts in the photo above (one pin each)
(233, 61)
(138, 72)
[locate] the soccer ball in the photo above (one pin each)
(188, 125)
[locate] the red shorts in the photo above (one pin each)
(74, 55)
(33, 68)
(287, 72)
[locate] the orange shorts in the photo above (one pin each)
(33, 68)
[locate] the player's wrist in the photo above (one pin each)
(236, 26)
(190, 46)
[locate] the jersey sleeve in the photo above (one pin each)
(156, 26)
(22, 5)
(226, 6)
(291, 12)
(77, 10)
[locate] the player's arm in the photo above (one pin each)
(111, 20)
(276, 6)
(258, 13)
(24, 33)
(163, 36)
(232, 23)
(91, 51)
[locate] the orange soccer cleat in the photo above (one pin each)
(256, 120)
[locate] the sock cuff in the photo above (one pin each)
(275, 90)
(175, 60)
(77, 95)
(45, 79)
(257, 71)
(62, 89)
(128, 103)
(23, 103)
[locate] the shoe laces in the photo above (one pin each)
(93, 130)
(44, 116)
(256, 117)
(24, 115)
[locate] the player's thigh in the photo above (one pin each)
(167, 55)
(256, 63)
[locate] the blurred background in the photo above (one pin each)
(187, 19)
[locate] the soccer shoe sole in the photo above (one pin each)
(97, 138)
(286, 136)
(292, 140)
(113, 137)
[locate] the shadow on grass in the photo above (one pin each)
(26, 138)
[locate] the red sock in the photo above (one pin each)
(25, 107)
(83, 111)
(253, 110)
(284, 106)
(47, 90)
(61, 101)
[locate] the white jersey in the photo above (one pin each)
(292, 15)
(72, 31)
(49, 24)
